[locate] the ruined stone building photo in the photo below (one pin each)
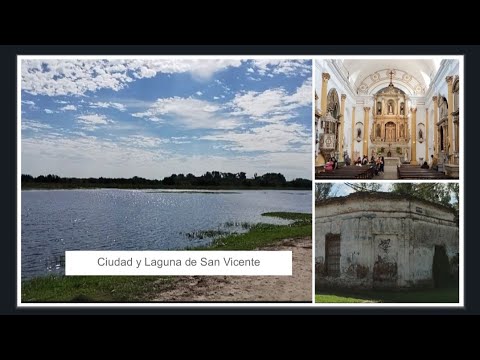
(382, 240)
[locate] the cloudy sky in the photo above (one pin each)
(154, 117)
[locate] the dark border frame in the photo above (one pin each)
(8, 67)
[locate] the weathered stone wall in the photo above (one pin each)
(385, 241)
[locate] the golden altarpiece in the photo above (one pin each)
(390, 132)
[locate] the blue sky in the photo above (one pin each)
(153, 117)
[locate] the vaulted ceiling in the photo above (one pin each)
(413, 76)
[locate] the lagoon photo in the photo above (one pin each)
(162, 153)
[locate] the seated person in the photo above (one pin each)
(434, 163)
(358, 162)
(424, 165)
(365, 160)
(335, 162)
(347, 160)
(329, 165)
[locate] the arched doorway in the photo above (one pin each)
(441, 268)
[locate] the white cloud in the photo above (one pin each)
(272, 105)
(61, 102)
(87, 156)
(142, 141)
(34, 125)
(92, 121)
(76, 77)
(191, 113)
(250, 70)
(106, 105)
(199, 93)
(279, 137)
(68, 108)
(216, 98)
(48, 111)
(28, 102)
(156, 119)
(285, 67)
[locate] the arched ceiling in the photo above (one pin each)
(413, 76)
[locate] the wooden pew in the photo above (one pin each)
(347, 172)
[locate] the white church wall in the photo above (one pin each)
(420, 125)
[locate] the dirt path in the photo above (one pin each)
(297, 287)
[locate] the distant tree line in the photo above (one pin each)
(446, 194)
(209, 179)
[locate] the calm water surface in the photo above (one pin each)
(57, 220)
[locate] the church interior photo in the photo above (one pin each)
(387, 118)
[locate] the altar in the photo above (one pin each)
(391, 164)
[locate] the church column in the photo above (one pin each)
(353, 134)
(325, 78)
(340, 132)
(435, 127)
(414, 136)
(426, 135)
(450, 119)
(365, 131)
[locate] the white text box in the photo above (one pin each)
(239, 263)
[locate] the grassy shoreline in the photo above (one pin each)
(139, 288)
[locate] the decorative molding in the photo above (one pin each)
(339, 74)
(446, 66)
(379, 77)
(325, 76)
(343, 96)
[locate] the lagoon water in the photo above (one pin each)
(54, 221)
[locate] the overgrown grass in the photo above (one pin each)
(445, 295)
(92, 288)
(79, 289)
(265, 234)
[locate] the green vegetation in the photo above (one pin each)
(142, 288)
(261, 235)
(92, 288)
(442, 295)
(323, 191)
(209, 180)
(439, 193)
(337, 299)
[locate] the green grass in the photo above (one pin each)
(92, 288)
(336, 299)
(265, 234)
(446, 295)
(140, 288)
